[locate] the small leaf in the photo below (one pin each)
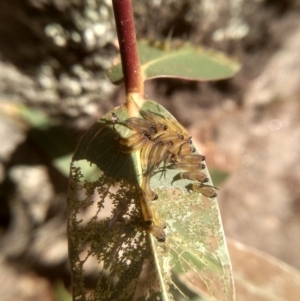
(186, 63)
(105, 227)
(218, 176)
(54, 140)
(60, 292)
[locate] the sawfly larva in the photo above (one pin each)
(151, 195)
(157, 231)
(133, 143)
(192, 175)
(206, 190)
(146, 208)
(187, 166)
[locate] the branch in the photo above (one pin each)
(128, 47)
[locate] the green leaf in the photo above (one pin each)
(53, 139)
(60, 292)
(106, 228)
(218, 176)
(186, 63)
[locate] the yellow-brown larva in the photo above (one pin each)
(176, 127)
(150, 194)
(206, 190)
(191, 158)
(154, 156)
(157, 220)
(155, 119)
(160, 156)
(157, 231)
(145, 155)
(139, 124)
(196, 176)
(146, 208)
(187, 166)
(133, 143)
(176, 146)
(185, 150)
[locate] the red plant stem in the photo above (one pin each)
(128, 46)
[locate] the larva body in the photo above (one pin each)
(133, 143)
(150, 194)
(146, 208)
(206, 190)
(197, 176)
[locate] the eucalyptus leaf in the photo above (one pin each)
(188, 63)
(106, 227)
(262, 276)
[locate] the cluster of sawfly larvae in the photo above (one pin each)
(162, 141)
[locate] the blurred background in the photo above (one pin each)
(53, 87)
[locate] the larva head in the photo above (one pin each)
(151, 195)
(153, 128)
(155, 230)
